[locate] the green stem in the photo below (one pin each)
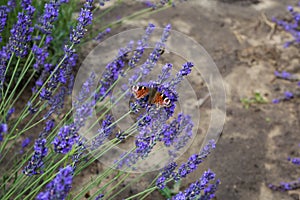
(141, 193)
(39, 178)
(10, 82)
(6, 70)
(124, 188)
(150, 185)
(21, 91)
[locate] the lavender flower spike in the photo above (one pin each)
(68, 134)
(153, 58)
(171, 131)
(105, 131)
(36, 164)
(51, 11)
(185, 70)
(141, 46)
(85, 18)
(185, 168)
(200, 189)
(59, 187)
(3, 19)
(21, 32)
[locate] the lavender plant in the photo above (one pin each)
(35, 88)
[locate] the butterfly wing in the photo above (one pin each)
(139, 91)
(161, 100)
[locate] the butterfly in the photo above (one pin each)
(154, 97)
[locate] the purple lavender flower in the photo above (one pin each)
(170, 132)
(147, 138)
(25, 4)
(3, 128)
(60, 186)
(50, 15)
(184, 71)
(291, 27)
(99, 197)
(21, 31)
(112, 72)
(283, 75)
(275, 101)
(285, 186)
(3, 19)
(83, 108)
(66, 68)
(141, 46)
(288, 95)
(85, 18)
(78, 154)
(165, 73)
(150, 4)
(9, 113)
(153, 57)
(210, 190)
(36, 163)
(102, 34)
(71, 84)
(155, 5)
(185, 168)
(295, 161)
(56, 102)
(59, 75)
(62, 72)
(45, 94)
(11, 4)
(85, 90)
(200, 189)
(105, 131)
(166, 172)
(40, 55)
(5, 55)
(65, 139)
(182, 133)
(25, 143)
(102, 2)
(82, 112)
(149, 134)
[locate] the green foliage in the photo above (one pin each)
(62, 28)
(60, 32)
(169, 192)
(256, 99)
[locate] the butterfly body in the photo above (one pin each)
(154, 96)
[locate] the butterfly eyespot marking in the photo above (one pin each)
(161, 51)
(135, 88)
(167, 101)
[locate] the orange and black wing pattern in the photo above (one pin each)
(161, 100)
(139, 91)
